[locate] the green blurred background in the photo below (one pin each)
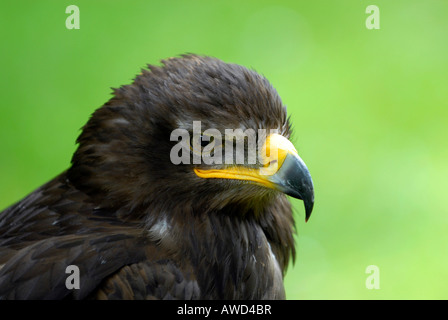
(369, 109)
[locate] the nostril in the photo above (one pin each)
(270, 163)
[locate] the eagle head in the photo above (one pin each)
(195, 132)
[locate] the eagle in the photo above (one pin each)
(137, 223)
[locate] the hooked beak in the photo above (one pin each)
(283, 170)
(294, 179)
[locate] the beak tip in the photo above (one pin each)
(308, 210)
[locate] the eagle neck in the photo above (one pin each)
(231, 254)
